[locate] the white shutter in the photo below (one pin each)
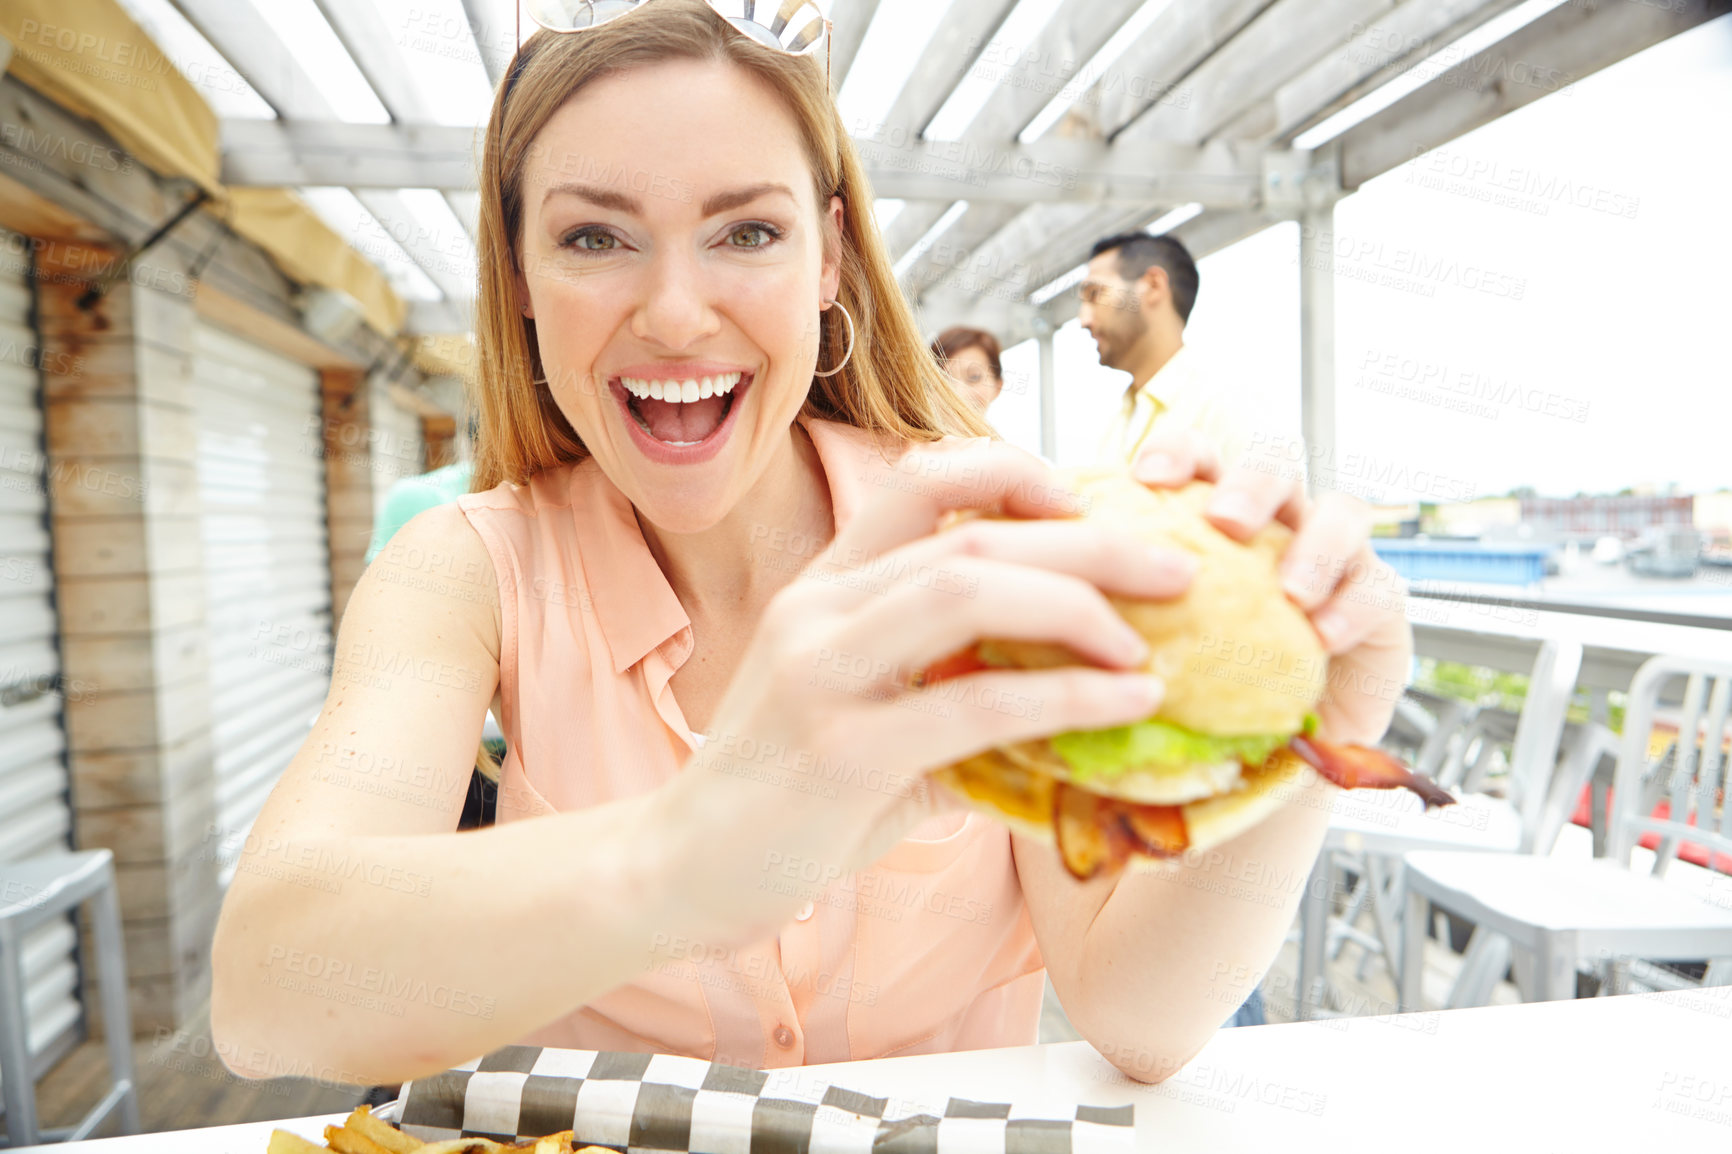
(267, 566)
(397, 449)
(34, 815)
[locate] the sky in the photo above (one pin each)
(1611, 370)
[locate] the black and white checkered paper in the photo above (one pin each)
(660, 1102)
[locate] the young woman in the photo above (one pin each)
(713, 455)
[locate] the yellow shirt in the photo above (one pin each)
(1178, 396)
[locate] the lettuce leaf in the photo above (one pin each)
(1156, 746)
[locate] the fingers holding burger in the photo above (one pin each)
(1245, 672)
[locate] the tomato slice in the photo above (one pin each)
(964, 661)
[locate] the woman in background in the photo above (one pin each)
(970, 356)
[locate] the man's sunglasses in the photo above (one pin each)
(792, 26)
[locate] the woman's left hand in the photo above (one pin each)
(1355, 601)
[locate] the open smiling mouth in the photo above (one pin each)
(685, 413)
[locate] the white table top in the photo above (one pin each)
(1641, 1072)
(1395, 821)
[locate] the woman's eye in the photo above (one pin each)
(581, 238)
(757, 235)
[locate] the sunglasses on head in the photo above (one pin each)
(796, 27)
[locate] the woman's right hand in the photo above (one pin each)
(818, 750)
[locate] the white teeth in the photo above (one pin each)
(682, 392)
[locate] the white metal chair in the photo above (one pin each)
(1371, 830)
(1434, 735)
(37, 890)
(1556, 912)
(1426, 729)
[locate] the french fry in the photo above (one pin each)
(346, 1141)
(361, 1133)
(382, 1134)
(283, 1142)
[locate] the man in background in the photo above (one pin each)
(1136, 299)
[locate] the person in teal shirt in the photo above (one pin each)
(411, 495)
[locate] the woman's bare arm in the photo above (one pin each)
(1148, 964)
(364, 940)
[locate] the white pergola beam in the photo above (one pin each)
(1273, 48)
(848, 24)
(364, 35)
(1567, 43)
(1373, 55)
(492, 30)
(249, 43)
(1112, 185)
(466, 207)
(961, 35)
(1317, 342)
(960, 253)
(1010, 320)
(1152, 69)
(1038, 245)
(237, 31)
(330, 152)
(912, 223)
(448, 261)
(1048, 397)
(1022, 86)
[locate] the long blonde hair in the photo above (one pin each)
(890, 384)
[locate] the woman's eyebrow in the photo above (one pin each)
(626, 203)
(723, 201)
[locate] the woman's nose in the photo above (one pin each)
(676, 310)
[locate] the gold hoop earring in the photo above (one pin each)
(848, 317)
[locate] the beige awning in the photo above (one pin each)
(92, 59)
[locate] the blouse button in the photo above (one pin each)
(784, 1037)
(805, 912)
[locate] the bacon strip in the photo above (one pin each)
(1091, 834)
(1361, 767)
(1159, 830)
(1097, 833)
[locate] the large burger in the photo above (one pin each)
(1234, 734)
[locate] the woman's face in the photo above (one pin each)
(970, 369)
(673, 260)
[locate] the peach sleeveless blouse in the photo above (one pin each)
(930, 950)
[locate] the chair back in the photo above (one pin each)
(1691, 777)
